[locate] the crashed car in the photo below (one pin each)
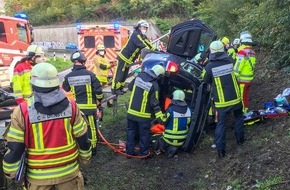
(186, 40)
(7, 104)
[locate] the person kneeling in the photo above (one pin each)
(178, 117)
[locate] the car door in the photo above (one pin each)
(190, 38)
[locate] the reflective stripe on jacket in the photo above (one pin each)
(85, 87)
(50, 143)
(51, 152)
(21, 80)
(101, 68)
(132, 49)
(176, 127)
(245, 64)
(219, 73)
(144, 101)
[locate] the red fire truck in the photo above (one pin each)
(15, 37)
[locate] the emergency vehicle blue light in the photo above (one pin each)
(78, 26)
(20, 15)
(116, 25)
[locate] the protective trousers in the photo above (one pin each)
(220, 131)
(120, 75)
(144, 137)
(244, 90)
(92, 132)
(75, 184)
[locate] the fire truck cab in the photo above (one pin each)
(15, 37)
(112, 36)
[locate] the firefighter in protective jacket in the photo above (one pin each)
(50, 133)
(176, 125)
(244, 67)
(228, 48)
(129, 53)
(226, 95)
(143, 106)
(87, 92)
(102, 65)
(21, 75)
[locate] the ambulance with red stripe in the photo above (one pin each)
(15, 37)
(112, 36)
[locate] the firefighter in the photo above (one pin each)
(128, 54)
(234, 49)
(236, 44)
(144, 103)
(21, 75)
(50, 132)
(219, 75)
(87, 92)
(102, 67)
(244, 67)
(176, 125)
(228, 48)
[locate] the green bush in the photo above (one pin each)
(268, 21)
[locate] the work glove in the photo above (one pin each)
(160, 120)
(99, 113)
(113, 64)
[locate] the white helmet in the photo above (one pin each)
(216, 46)
(158, 70)
(178, 95)
(34, 50)
(236, 41)
(246, 37)
(143, 23)
(44, 75)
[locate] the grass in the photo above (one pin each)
(266, 185)
(59, 63)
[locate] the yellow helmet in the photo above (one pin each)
(34, 50)
(44, 75)
(225, 40)
(101, 47)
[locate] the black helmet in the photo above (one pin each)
(78, 56)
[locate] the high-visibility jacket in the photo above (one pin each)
(144, 101)
(50, 142)
(245, 64)
(21, 81)
(85, 87)
(101, 68)
(176, 125)
(132, 49)
(219, 73)
(232, 53)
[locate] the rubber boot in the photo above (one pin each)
(221, 153)
(240, 141)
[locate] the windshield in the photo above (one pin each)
(204, 41)
(22, 32)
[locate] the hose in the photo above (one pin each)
(115, 150)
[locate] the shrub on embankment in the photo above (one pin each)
(268, 21)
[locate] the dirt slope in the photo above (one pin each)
(263, 159)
